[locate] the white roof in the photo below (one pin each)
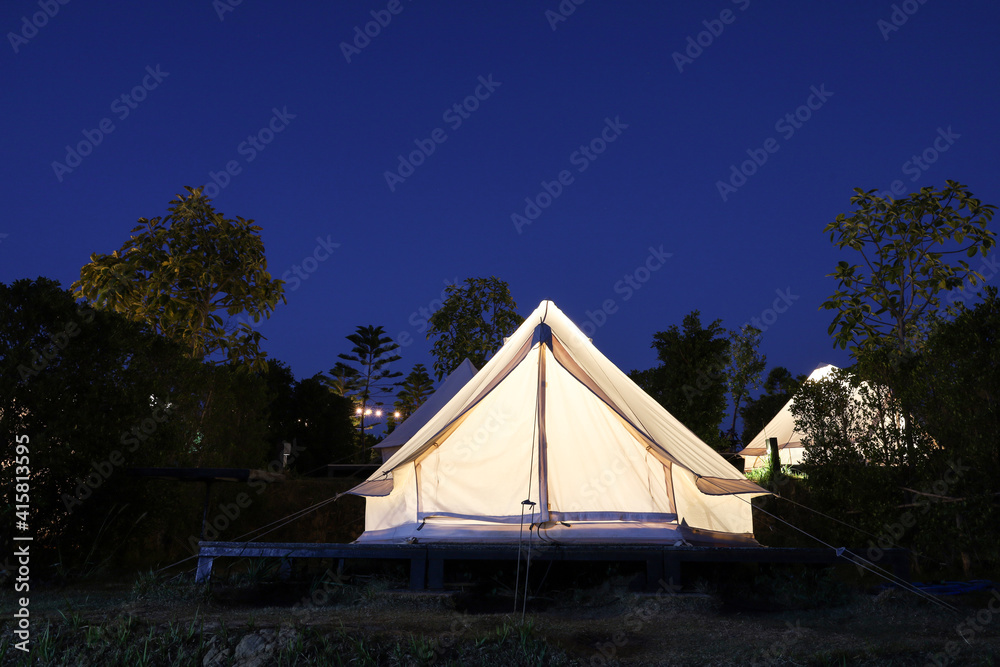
(552, 421)
(782, 427)
(455, 381)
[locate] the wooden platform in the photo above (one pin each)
(427, 561)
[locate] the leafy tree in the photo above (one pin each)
(904, 244)
(473, 322)
(343, 380)
(96, 393)
(746, 365)
(306, 413)
(779, 387)
(690, 381)
(182, 273)
(882, 309)
(414, 390)
(372, 352)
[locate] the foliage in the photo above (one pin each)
(182, 273)
(746, 365)
(306, 413)
(96, 393)
(472, 323)
(690, 381)
(903, 244)
(779, 387)
(939, 503)
(372, 352)
(414, 390)
(343, 380)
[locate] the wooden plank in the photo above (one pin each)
(418, 571)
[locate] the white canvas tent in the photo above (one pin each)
(782, 426)
(551, 437)
(455, 381)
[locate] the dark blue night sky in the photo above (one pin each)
(630, 161)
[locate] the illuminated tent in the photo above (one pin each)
(782, 426)
(550, 437)
(455, 381)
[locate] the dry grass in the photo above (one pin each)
(364, 620)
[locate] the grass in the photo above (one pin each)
(821, 620)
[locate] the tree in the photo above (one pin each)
(690, 380)
(472, 323)
(343, 380)
(306, 413)
(414, 390)
(96, 393)
(372, 352)
(746, 365)
(903, 244)
(882, 309)
(779, 387)
(182, 273)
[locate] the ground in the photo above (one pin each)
(795, 617)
